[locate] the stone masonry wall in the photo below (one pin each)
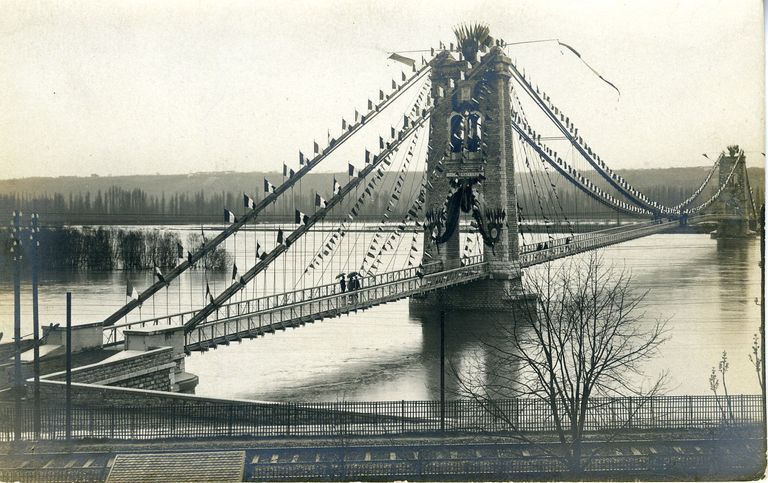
(147, 370)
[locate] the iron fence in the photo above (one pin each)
(205, 418)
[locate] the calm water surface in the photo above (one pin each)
(706, 288)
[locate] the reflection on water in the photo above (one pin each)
(705, 287)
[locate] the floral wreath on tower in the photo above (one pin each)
(441, 223)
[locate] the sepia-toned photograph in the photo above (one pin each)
(382, 240)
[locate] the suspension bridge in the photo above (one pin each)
(471, 108)
(486, 168)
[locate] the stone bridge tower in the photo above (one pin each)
(470, 144)
(734, 207)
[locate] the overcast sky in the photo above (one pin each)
(172, 87)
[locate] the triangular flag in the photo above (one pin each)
(248, 202)
(300, 218)
(159, 274)
(336, 187)
(132, 292)
(234, 272)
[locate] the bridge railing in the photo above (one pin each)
(191, 418)
(591, 241)
(562, 241)
(388, 287)
(113, 334)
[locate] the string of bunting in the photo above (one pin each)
(564, 124)
(330, 243)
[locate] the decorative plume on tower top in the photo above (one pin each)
(472, 38)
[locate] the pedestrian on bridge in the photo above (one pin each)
(342, 283)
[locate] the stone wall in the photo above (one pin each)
(488, 295)
(152, 369)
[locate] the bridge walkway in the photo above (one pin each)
(253, 317)
(297, 308)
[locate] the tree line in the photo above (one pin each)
(103, 249)
(184, 202)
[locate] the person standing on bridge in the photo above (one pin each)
(342, 283)
(354, 284)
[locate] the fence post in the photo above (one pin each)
(690, 411)
(173, 419)
(288, 418)
(230, 415)
(741, 399)
(402, 416)
(442, 372)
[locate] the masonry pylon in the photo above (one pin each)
(470, 149)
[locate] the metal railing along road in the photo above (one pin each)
(189, 418)
(301, 306)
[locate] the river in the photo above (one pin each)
(705, 288)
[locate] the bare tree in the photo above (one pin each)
(714, 384)
(584, 336)
(757, 361)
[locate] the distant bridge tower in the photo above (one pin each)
(470, 146)
(734, 207)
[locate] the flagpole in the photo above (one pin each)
(245, 244)
(205, 262)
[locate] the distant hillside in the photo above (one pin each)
(201, 197)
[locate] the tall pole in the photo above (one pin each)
(69, 367)
(442, 371)
(35, 319)
(762, 308)
(18, 384)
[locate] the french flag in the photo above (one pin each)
(248, 202)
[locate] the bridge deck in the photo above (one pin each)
(332, 303)
(254, 317)
(565, 247)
